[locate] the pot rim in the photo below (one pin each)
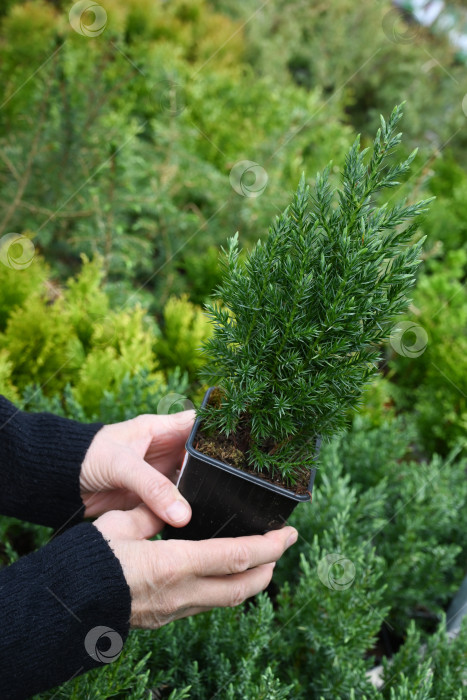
(242, 474)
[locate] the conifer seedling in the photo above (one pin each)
(298, 325)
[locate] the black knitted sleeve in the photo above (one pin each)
(63, 610)
(40, 462)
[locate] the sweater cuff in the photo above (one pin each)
(42, 455)
(65, 610)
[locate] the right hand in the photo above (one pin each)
(171, 579)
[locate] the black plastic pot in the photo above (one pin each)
(227, 502)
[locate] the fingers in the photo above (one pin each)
(176, 578)
(103, 501)
(229, 591)
(150, 424)
(142, 523)
(153, 488)
(181, 422)
(233, 555)
(137, 524)
(207, 593)
(173, 429)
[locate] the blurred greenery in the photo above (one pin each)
(116, 158)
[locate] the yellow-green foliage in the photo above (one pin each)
(185, 329)
(54, 337)
(195, 30)
(41, 344)
(36, 20)
(18, 285)
(6, 387)
(102, 370)
(121, 344)
(88, 304)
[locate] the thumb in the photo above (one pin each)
(155, 490)
(181, 422)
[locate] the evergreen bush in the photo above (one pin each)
(434, 384)
(185, 328)
(127, 170)
(362, 55)
(63, 349)
(297, 331)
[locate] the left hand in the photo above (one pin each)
(136, 461)
(171, 579)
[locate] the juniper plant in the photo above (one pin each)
(298, 325)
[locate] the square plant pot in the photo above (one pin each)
(228, 502)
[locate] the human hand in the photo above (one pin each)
(135, 461)
(171, 579)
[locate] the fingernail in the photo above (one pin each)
(292, 539)
(177, 511)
